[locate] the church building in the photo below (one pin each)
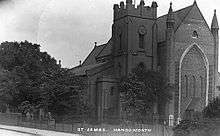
(180, 44)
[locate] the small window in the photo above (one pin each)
(120, 41)
(195, 34)
(186, 78)
(112, 91)
(106, 99)
(119, 69)
(141, 41)
(194, 86)
(201, 85)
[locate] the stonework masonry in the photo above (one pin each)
(180, 44)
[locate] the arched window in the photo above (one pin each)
(120, 41)
(194, 86)
(187, 86)
(112, 91)
(119, 69)
(201, 86)
(142, 33)
(106, 99)
(141, 41)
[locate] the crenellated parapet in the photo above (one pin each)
(129, 9)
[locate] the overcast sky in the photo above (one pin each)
(67, 29)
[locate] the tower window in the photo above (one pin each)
(141, 41)
(106, 99)
(120, 41)
(119, 69)
(195, 34)
(112, 91)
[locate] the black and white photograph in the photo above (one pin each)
(109, 68)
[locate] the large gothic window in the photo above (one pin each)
(191, 87)
(193, 77)
(194, 86)
(202, 85)
(187, 88)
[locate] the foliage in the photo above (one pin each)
(25, 65)
(26, 107)
(213, 109)
(196, 128)
(142, 89)
(64, 93)
(31, 79)
(7, 87)
(207, 126)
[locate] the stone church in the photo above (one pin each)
(180, 44)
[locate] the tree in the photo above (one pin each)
(64, 94)
(142, 90)
(25, 65)
(7, 88)
(26, 107)
(32, 79)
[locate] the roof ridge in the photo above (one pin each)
(100, 45)
(81, 70)
(104, 47)
(184, 8)
(89, 54)
(199, 12)
(94, 48)
(184, 17)
(176, 11)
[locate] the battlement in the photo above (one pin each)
(129, 9)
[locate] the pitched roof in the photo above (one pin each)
(90, 62)
(98, 51)
(92, 55)
(106, 49)
(179, 16)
